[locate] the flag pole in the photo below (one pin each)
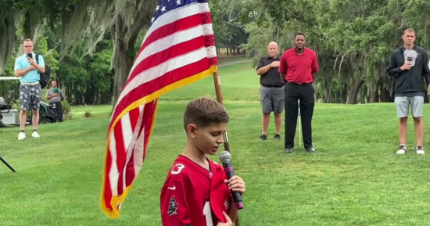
(217, 83)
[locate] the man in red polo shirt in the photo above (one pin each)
(298, 66)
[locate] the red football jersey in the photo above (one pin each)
(192, 195)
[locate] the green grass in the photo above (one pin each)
(98, 110)
(238, 83)
(354, 178)
(228, 59)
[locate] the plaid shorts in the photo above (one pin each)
(29, 96)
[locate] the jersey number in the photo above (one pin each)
(179, 167)
(208, 213)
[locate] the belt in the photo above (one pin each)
(29, 83)
(300, 84)
(272, 86)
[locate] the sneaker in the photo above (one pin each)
(35, 134)
(311, 149)
(288, 150)
(402, 149)
(420, 150)
(263, 137)
(21, 136)
(277, 137)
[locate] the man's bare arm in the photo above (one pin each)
(263, 70)
(40, 69)
(20, 73)
(283, 76)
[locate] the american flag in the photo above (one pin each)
(178, 49)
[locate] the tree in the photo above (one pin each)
(77, 20)
(8, 32)
(353, 40)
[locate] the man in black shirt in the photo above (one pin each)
(271, 90)
(409, 68)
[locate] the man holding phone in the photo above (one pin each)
(28, 69)
(409, 68)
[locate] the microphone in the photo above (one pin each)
(225, 158)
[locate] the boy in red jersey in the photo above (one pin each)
(196, 191)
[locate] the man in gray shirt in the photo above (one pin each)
(55, 96)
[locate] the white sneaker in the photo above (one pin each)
(21, 136)
(402, 150)
(35, 134)
(420, 150)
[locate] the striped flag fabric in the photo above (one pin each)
(178, 49)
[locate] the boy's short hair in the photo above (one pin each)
(203, 111)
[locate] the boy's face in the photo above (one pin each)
(209, 138)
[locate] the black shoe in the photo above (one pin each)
(277, 137)
(289, 150)
(263, 137)
(311, 149)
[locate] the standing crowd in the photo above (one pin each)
(287, 85)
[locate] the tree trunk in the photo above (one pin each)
(122, 61)
(7, 37)
(125, 36)
(375, 98)
(327, 92)
(32, 24)
(353, 92)
(105, 98)
(383, 93)
(28, 31)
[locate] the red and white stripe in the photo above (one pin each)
(180, 44)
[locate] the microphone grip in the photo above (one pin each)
(237, 197)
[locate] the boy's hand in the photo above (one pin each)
(228, 221)
(236, 184)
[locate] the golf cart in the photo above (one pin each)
(9, 116)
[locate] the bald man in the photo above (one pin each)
(271, 90)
